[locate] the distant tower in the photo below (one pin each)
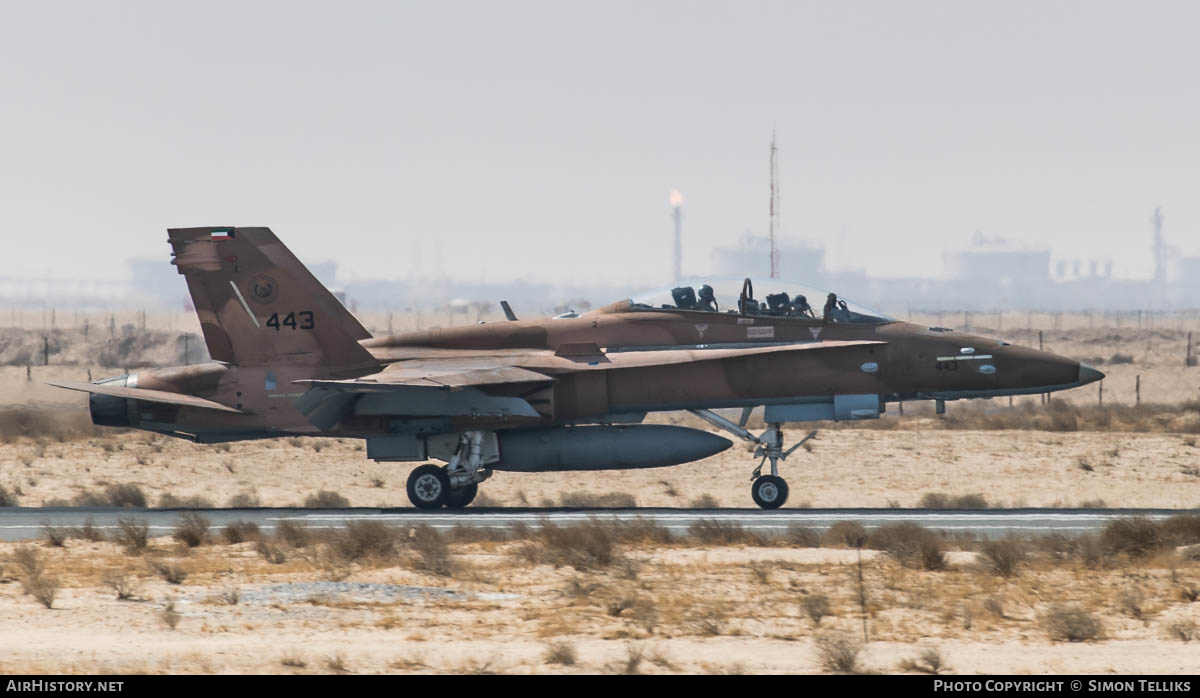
(1160, 248)
(677, 205)
(774, 222)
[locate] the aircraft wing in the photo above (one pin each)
(160, 396)
(449, 387)
(437, 373)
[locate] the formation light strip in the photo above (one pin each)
(974, 357)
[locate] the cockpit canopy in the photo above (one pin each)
(782, 299)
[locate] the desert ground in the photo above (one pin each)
(597, 600)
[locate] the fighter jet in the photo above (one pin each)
(568, 393)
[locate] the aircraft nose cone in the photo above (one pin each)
(1087, 374)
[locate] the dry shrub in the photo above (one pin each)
(122, 584)
(461, 533)
(940, 500)
(642, 530)
(293, 535)
(56, 536)
(1090, 551)
(838, 653)
(244, 500)
(710, 623)
(121, 495)
(433, 552)
(802, 537)
(132, 534)
(170, 573)
(1132, 603)
(704, 501)
(43, 589)
(86, 498)
(7, 499)
(1183, 629)
(576, 589)
(28, 559)
(240, 532)
(632, 664)
(1070, 623)
(717, 532)
(191, 530)
(1003, 557)
(169, 616)
(850, 534)
(170, 501)
(911, 544)
(270, 551)
(1056, 546)
(584, 546)
(34, 580)
(125, 495)
(89, 531)
(335, 663)
(1182, 529)
(816, 606)
(930, 661)
(608, 500)
(326, 499)
(1136, 536)
(293, 659)
(994, 606)
(363, 539)
(560, 652)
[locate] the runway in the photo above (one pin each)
(27, 524)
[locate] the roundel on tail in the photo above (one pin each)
(262, 289)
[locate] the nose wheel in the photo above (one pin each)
(769, 491)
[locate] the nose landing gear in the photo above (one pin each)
(768, 491)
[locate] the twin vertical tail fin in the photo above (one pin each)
(258, 305)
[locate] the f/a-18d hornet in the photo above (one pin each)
(568, 393)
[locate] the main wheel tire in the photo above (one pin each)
(428, 486)
(769, 491)
(461, 497)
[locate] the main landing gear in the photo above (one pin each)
(768, 491)
(453, 485)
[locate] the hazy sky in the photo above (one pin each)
(542, 139)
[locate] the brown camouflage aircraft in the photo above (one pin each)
(561, 394)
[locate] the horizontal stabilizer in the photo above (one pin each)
(160, 396)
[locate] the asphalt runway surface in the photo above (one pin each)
(25, 524)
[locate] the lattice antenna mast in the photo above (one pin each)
(773, 225)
